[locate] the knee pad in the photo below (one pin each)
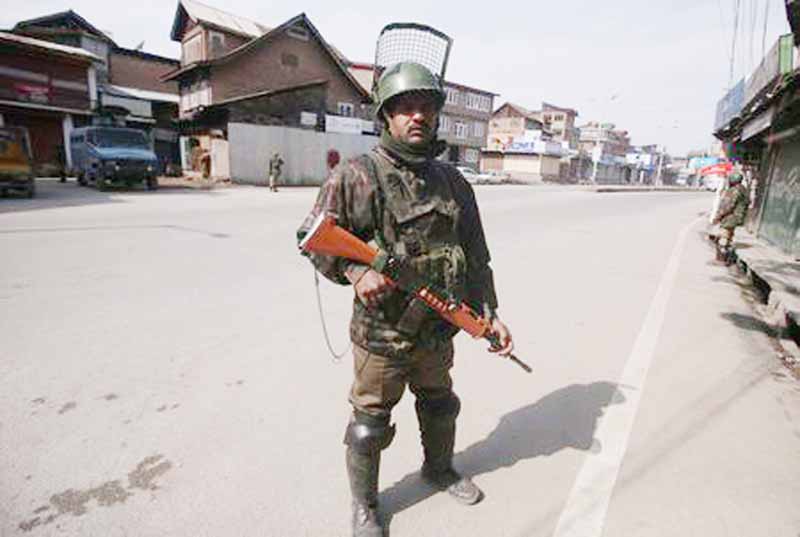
(440, 407)
(368, 434)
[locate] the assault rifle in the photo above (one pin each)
(327, 238)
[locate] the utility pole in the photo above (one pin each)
(597, 154)
(660, 162)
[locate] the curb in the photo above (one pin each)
(781, 299)
(608, 189)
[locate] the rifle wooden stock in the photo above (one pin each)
(327, 238)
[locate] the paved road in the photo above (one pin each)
(163, 372)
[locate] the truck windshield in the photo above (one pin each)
(119, 138)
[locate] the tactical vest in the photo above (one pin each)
(417, 219)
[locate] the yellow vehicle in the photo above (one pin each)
(16, 169)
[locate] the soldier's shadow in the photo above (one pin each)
(566, 418)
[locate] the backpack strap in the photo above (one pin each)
(369, 160)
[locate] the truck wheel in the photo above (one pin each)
(31, 192)
(81, 179)
(152, 183)
(100, 183)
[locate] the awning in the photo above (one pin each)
(758, 124)
(723, 168)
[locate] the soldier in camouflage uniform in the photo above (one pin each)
(410, 204)
(275, 165)
(732, 213)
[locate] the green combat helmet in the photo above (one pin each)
(406, 77)
(735, 178)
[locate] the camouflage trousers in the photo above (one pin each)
(726, 237)
(379, 381)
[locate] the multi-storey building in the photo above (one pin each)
(228, 59)
(561, 123)
(464, 123)
(607, 147)
(510, 122)
(234, 70)
(129, 88)
(47, 88)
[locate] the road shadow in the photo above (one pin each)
(566, 418)
(751, 323)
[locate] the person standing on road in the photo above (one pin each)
(731, 214)
(411, 205)
(275, 164)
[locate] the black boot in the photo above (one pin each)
(363, 472)
(437, 424)
(366, 437)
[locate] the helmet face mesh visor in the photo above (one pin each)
(410, 42)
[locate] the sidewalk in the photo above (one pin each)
(192, 182)
(777, 275)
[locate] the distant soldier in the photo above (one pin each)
(731, 214)
(275, 164)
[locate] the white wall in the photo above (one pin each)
(304, 152)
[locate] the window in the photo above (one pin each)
(298, 33)
(478, 129)
(216, 45)
(289, 60)
(346, 109)
(444, 124)
(193, 49)
(198, 94)
(473, 101)
(460, 129)
(453, 96)
(471, 155)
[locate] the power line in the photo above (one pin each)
(753, 22)
(766, 21)
(722, 26)
(737, 5)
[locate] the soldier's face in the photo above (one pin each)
(412, 118)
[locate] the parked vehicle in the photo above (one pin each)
(713, 182)
(481, 178)
(16, 167)
(495, 176)
(106, 156)
(469, 174)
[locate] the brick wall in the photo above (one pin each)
(137, 72)
(48, 80)
(282, 62)
(230, 42)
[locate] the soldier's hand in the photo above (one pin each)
(372, 288)
(504, 335)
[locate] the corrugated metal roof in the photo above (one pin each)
(55, 47)
(145, 95)
(235, 23)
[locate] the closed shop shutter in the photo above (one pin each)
(780, 222)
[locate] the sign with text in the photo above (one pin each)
(730, 106)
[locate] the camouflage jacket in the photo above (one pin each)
(427, 214)
(733, 207)
(275, 165)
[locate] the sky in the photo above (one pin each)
(654, 69)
